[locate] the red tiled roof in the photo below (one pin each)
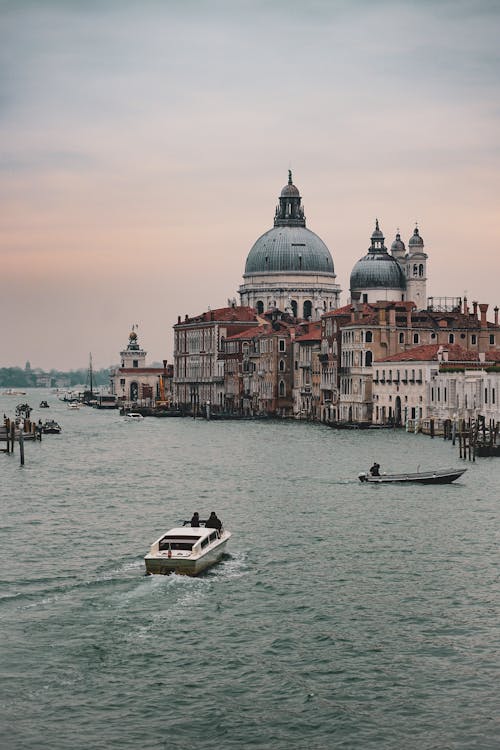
(429, 353)
(222, 315)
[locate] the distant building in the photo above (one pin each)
(135, 383)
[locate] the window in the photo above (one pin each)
(421, 269)
(492, 339)
(416, 338)
(282, 365)
(260, 306)
(294, 308)
(307, 309)
(473, 339)
(401, 338)
(282, 388)
(368, 358)
(369, 337)
(135, 363)
(282, 345)
(451, 338)
(365, 298)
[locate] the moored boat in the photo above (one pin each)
(51, 427)
(133, 416)
(186, 550)
(434, 476)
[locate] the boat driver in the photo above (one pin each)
(213, 522)
(195, 520)
(375, 470)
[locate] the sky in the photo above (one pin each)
(143, 147)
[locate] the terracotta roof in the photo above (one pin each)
(429, 353)
(312, 332)
(222, 315)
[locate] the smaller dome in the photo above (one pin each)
(398, 246)
(416, 240)
(290, 191)
(133, 336)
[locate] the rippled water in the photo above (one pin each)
(344, 616)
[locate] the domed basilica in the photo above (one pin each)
(289, 267)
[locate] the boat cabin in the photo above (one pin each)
(190, 539)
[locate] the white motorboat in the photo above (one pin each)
(73, 405)
(187, 550)
(133, 416)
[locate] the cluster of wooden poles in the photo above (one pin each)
(474, 436)
(10, 433)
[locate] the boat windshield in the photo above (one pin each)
(174, 543)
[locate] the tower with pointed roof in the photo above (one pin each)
(290, 267)
(416, 271)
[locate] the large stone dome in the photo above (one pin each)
(295, 249)
(289, 267)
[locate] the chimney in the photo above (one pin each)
(408, 318)
(484, 309)
(474, 309)
(496, 315)
(381, 316)
(392, 317)
(165, 365)
(178, 319)
(466, 309)
(482, 357)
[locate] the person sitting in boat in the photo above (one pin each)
(213, 522)
(195, 521)
(375, 470)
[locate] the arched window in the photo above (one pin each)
(294, 308)
(368, 359)
(282, 365)
(282, 388)
(421, 269)
(415, 270)
(307, 309)
(368, 337)
(451, 338)
(260, 307)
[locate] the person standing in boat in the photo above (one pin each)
(375, 470)
(195, 521)
(213, 522)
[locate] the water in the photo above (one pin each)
(344, 615)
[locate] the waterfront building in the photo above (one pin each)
(440, 382)
(133, 382)
(199, 355)
(381, 330)
(289, 267)
(307, 371)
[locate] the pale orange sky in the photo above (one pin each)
(144, 145)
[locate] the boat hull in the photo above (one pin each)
(424, 477)
(162, 564)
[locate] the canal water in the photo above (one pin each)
(344, 615)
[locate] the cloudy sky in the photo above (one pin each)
(144, 144)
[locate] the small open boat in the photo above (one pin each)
(436, 476)
(187, 550)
